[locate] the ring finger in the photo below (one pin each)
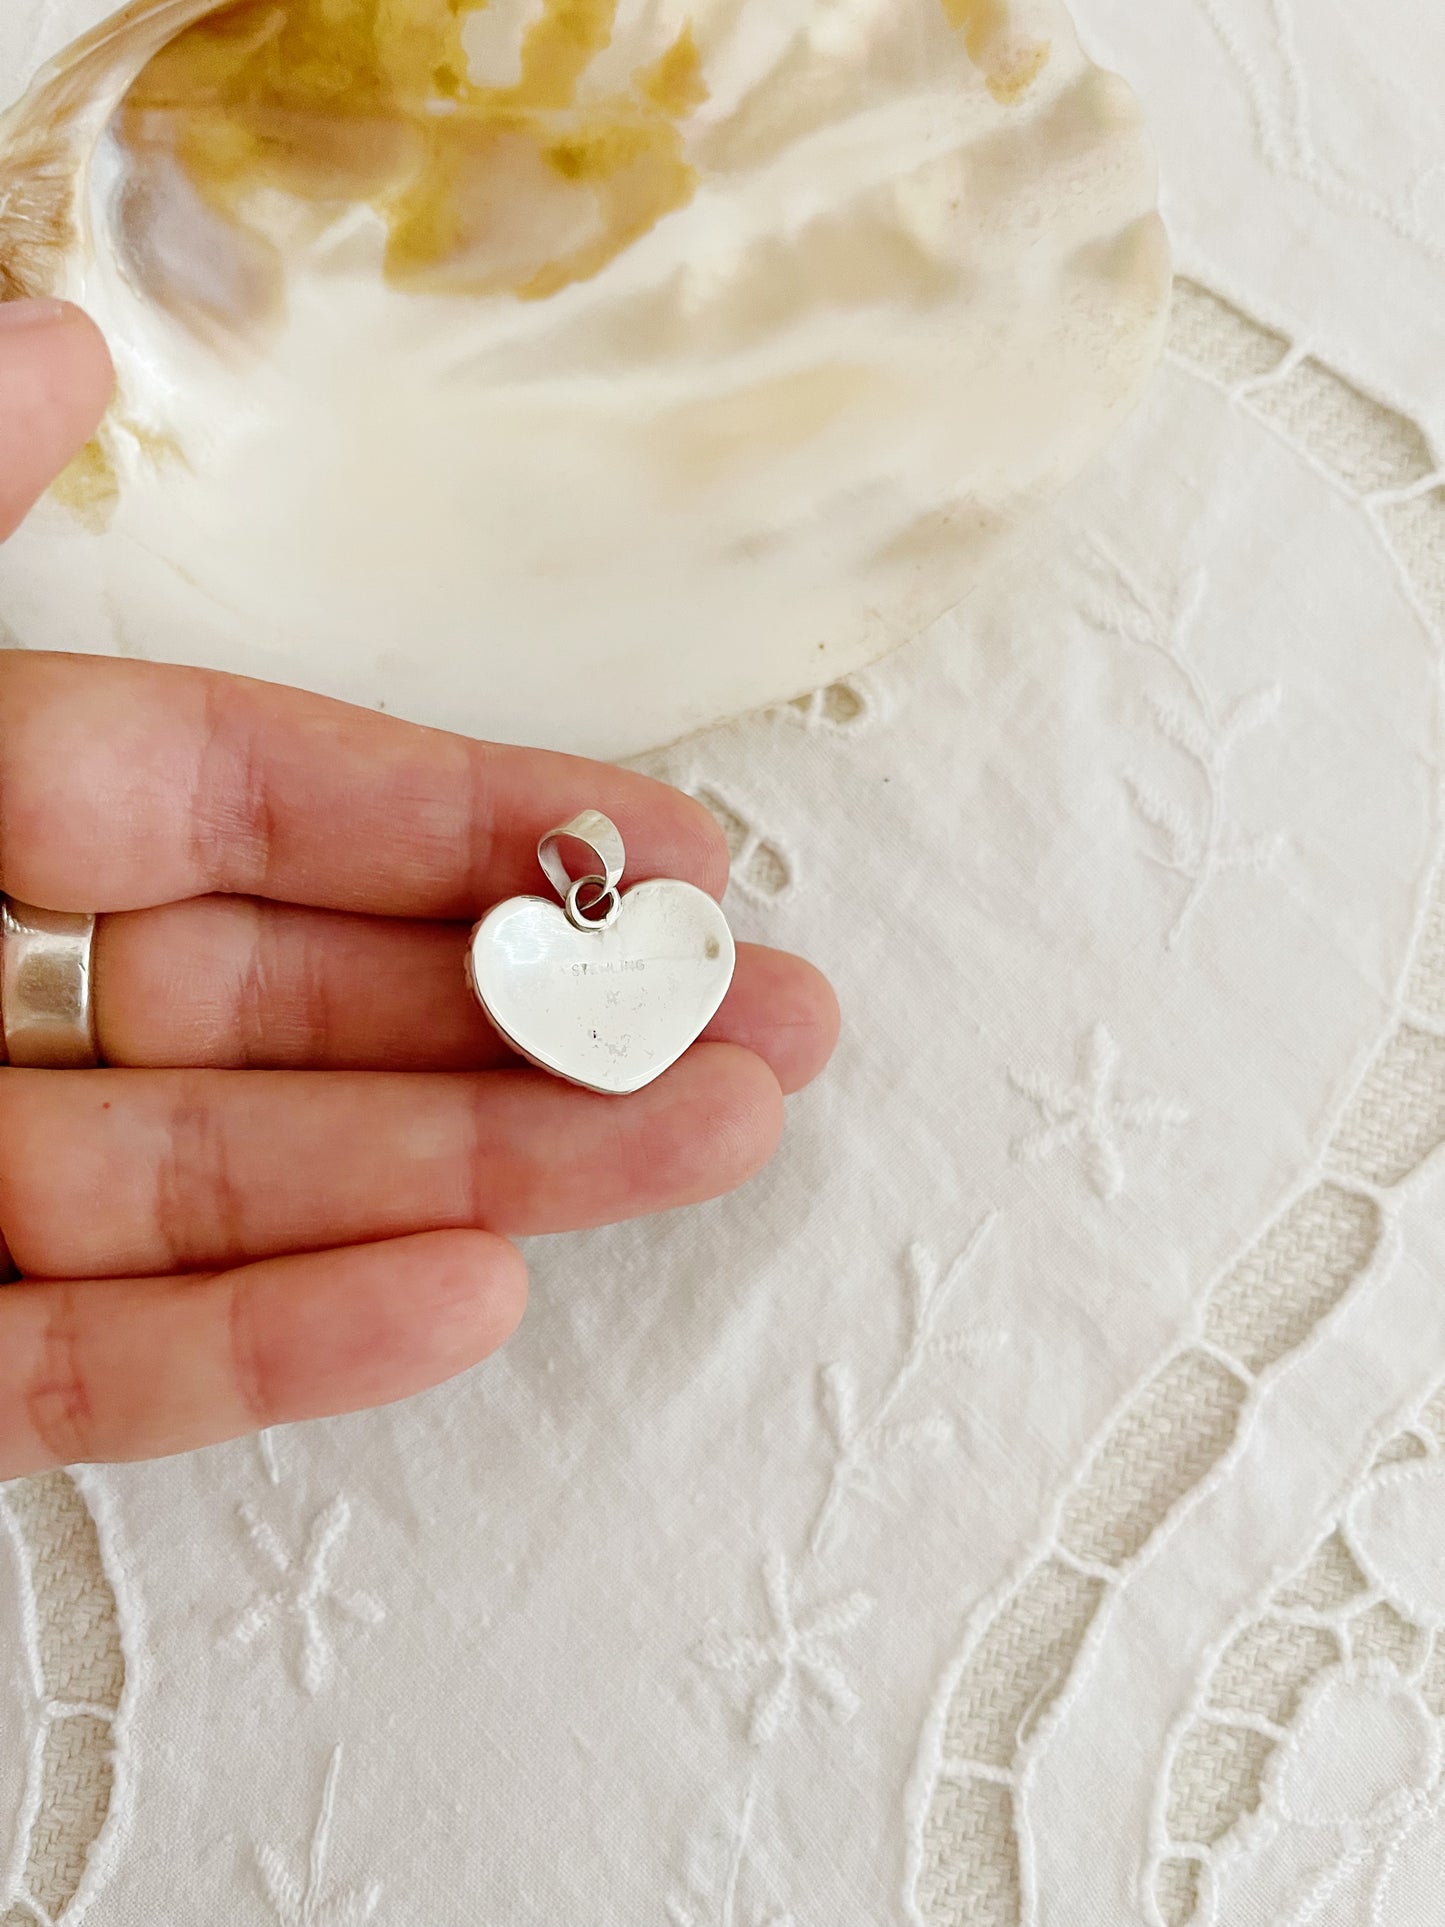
(126, 1173)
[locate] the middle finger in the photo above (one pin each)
(236, 983)
(125, 1173)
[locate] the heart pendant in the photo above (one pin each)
(607, 997)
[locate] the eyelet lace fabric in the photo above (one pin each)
(1025, 1505)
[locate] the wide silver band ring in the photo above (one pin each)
(47, 1007)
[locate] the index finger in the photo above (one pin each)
(55, 382)
(124, 785)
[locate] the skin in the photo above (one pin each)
(294, 1194)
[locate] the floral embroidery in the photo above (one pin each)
(311, 1903)
(266, 1452)
(307, 1593)
(1284, 124)
(1201, 843)
(1091, 1115)
(1386, 1805)
(796, 1660)
(1340, 1678)
(722, 1883)
(864, 1445)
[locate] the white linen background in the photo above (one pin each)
(1025, 1503)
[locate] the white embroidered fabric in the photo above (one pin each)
(1026, 1503)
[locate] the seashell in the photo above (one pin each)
(581, 372)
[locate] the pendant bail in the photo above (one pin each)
(597, 834)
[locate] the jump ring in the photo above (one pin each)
(584, 920)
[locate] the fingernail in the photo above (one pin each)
(15, 315)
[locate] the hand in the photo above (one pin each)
(296, 1199)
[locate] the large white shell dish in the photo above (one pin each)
(568, 371)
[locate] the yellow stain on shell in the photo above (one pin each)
(707, 440)
(89, 487)
(1016, 74)
(675, 83)
(981, 22)
(1010, 66)
(483, 189)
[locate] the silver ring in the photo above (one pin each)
(47, 1011)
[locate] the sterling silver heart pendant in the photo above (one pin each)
(604, 988)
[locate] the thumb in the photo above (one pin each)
(55, 384)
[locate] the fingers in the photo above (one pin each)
(131, 784)
(231, 982)
(105, 1370)
(128, 1173)
(55, 384)
(784, 1011)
